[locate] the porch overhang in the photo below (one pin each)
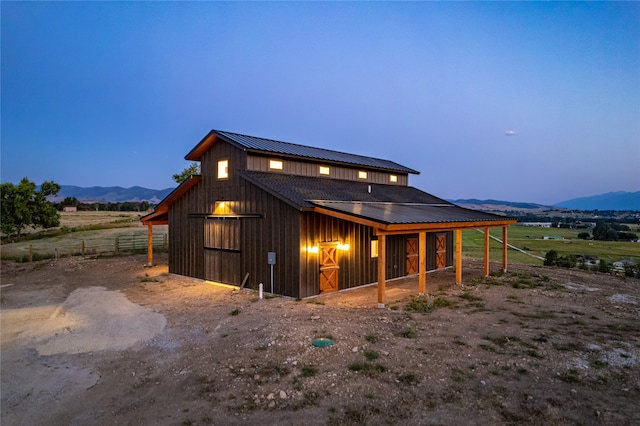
(160, 215)
(417, 218)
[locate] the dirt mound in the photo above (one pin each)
(91, 319)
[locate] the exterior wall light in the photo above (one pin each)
(221, 207)
(312, 249)
(343, 246)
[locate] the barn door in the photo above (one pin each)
(441, 251)
(328, 269)
(222, 261)
(412, 255)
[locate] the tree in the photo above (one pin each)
(584, 235)
(551, 258)
(70, 201)
(22, 206)
(193, 169)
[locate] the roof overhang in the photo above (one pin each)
(402, 218)
(160, 216)
(203, 146)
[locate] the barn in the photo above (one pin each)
(306, 221)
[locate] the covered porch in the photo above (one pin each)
(413, 218)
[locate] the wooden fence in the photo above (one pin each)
(117, 246)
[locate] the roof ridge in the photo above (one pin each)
(381, 162)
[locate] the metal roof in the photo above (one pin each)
(299, 190)
(386, 204)
(262, 145)
(408, 213)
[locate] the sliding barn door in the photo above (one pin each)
(222, 261)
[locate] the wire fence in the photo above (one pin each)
(124, 244)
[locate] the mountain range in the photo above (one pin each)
(610, 201)
(112, 194)
(620, 200)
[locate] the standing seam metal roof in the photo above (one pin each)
(285, 148)
(409, 213)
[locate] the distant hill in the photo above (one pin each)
(496, 205)
(610, 201)
(112, 194)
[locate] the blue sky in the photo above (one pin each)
(116, 93)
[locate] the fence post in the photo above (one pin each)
(30, 253)
(164, 242)
(115, 246)
(82, 248)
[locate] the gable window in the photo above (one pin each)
(362, 174)
(276, 164)
(393, 178)
(223, 169)
(374, 248)
(324, 170)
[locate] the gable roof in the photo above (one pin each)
(160, 215)
(285, 149)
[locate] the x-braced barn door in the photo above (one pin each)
(441, 251)
(412, 255)
(328, 269)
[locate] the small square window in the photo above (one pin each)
(393, 178)
(362, 174)
(276, 164)
(324, 170)
(223, 169)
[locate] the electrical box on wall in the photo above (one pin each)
(271, 258)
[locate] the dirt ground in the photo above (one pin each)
(107, 341)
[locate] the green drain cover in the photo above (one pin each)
(322, 342)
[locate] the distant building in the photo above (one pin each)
(69, 209)
(537, 224)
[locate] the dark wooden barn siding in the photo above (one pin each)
(186, 235)
(357, 267)
(275, 230)
(307, 168)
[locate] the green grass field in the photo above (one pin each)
(124, 227)
(531, 240)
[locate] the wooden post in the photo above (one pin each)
(115, 246)
(150, 245)
(504, 249)
(382, 269)
(458, 256)
(82, 250)
(30, 253)
(422, 252)
(486, 251)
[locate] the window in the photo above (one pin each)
(393, 178)
(276, 164)
(324, 170)
(223, 169)
(362, 174)
(374, 248)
